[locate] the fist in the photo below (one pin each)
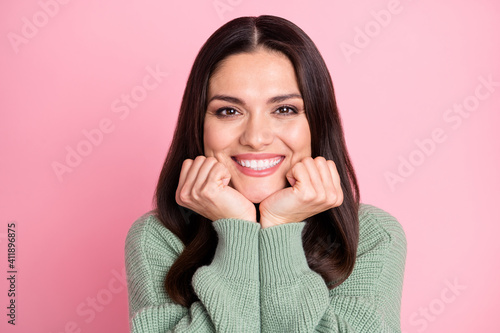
(315, 188)
(203, 188)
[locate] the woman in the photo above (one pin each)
(258, 226)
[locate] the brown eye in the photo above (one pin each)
(286, 110)
(226, 112)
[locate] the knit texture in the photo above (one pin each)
(259, 280)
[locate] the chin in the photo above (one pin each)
(257, 195)
(256, 198)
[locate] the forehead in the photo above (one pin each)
(262, 71)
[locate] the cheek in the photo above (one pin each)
(215, 139)
(298, 138)
(209, 140)
(208, 147)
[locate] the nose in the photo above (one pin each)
(257, 132)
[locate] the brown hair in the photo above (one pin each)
(330, 238)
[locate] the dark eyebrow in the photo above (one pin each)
(226, 98)
(272, 100)
(281, 98)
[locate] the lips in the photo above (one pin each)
(258, 165)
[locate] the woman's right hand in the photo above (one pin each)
(203, 188)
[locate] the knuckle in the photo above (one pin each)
(331, 164)
(298, 166)
(218, 166)
(308, 196)
(340, 197)
(199, 158)
(214, 173)
(322, 197)
(336, 199)
(331, 198)
(320, 159)
(183, 196)
(207, 192)
(195, 196)
(187, 163)
(307, 159)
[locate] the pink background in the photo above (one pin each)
(397, 80)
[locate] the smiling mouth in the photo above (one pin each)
(260, 164)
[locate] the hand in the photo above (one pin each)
(203, 188)
(315, 188)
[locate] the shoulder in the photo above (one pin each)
(377, 228)
(147, 233)
(372, 292)
(150, 250)
(380, 257)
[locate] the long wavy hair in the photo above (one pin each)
(330, 239)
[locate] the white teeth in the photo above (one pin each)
(259, 164)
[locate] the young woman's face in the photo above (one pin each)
(255, 122)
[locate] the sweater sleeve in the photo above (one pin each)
(296, 299)
(228, 288)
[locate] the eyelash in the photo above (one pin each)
(219, 112)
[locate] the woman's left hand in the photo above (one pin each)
(315, 188)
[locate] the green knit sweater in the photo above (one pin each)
(259, 280)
